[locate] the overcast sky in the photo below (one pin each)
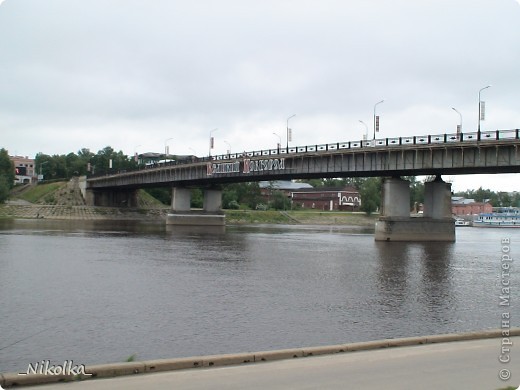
(141, 74)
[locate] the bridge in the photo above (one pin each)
(444, 154)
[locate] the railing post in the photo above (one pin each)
(461, 137)
(400, 140)
(414, 140)
(445, 138)
(497, 137)
(517, 133)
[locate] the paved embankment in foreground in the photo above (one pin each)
(468, 360)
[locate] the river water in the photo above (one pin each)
(98, 292)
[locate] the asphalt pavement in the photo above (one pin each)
(458, 365)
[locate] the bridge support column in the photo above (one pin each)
(182, 215)
(212, 201)
(181, 199)
(437, 199)
(395, 223)
(396, 197)
(89, 197)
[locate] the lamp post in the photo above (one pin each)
(211, 140)
(279, 141)
(375, 105)
(41, 165)
(166, 149)
(365, 136)
(459, 127)
(480, 110)
(289, 129)
(194, 151)
(229, 147)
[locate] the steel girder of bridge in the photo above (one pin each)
(495, 156)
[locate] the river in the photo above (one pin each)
(99, 292)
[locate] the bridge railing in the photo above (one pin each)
(448, 138)
(494, 135)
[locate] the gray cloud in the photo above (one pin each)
(79, 74)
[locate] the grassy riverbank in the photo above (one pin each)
(62, 200)
(298, 217)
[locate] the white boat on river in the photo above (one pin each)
(504, 217)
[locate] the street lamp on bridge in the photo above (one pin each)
(279, 141)
(365, 136)
(229, 147)
(376, 119)
(459, 127)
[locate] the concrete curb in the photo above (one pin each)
(117, 369)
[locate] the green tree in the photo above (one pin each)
(505, 199)
(6, 168)
(4, 188)
(229, 196)
(483, 195)
(197, 198)
(370, 192)
(279, 201)
(515, 201)
(6, 175)
(244, 193)
(60, 167)
(334, 182)
(416, 190)
(43, 165)
(162, 194)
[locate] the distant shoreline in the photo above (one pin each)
(16, 210)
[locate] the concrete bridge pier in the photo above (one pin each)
(181, 199)
(182, 215)
(437, 199)
(395, 222)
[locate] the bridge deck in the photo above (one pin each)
(448, 154)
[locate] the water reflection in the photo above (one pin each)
(414, 281)
(393, 275)
(49, 226)
(436, 280)
(201, 231)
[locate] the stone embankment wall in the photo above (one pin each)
(15, 210)
(67, 202)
